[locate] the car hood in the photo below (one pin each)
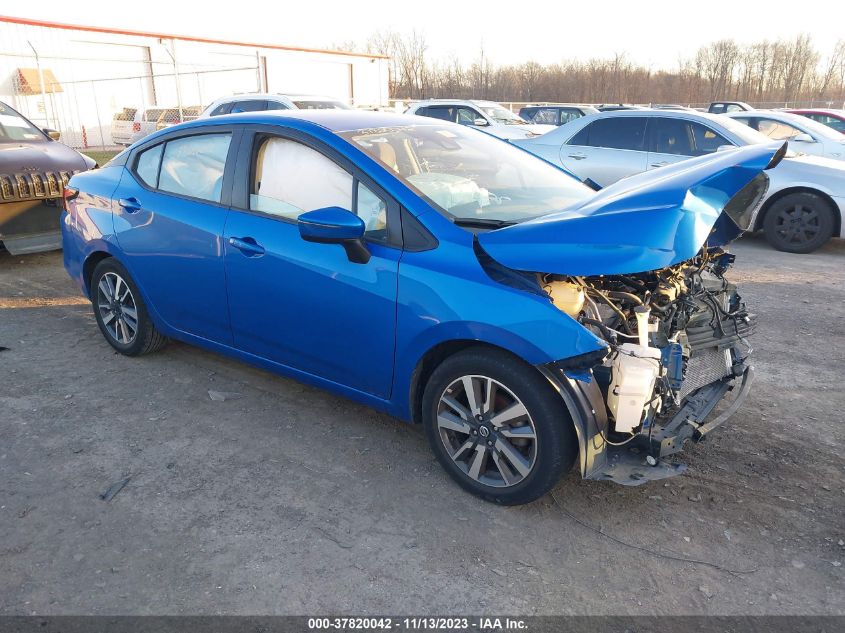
(519, 132)
(646, 222)
(40, 157)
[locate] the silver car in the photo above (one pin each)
(804, 135)
(488, 116)
(802, 209)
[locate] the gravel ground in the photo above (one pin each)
(289, 500)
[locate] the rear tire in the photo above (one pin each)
(798, 223)
(511, 440)
(120, 311)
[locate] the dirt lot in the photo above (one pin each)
(290, 500)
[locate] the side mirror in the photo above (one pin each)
(334, 225)
(479, 122)
(53, 134)
(804, 138)
(725, 148)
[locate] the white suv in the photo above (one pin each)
(489, 116)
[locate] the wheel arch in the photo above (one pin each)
(90, 263)
(778, 195)
(433, 357)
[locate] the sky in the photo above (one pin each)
(655, 33)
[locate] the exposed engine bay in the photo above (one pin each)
(678, 344)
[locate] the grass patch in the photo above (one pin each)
(102, 157)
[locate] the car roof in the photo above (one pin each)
(313, 98)
(558, 105)
(251, 95)
(833, 111)
(649, 112)
(771, 114)
(332, 120)
(478, 102)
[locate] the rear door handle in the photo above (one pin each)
(662, 163)
(247, 245)
(578, 156)
(130, 205)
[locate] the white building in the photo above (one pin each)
(75, 78)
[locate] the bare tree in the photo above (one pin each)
(762, 72)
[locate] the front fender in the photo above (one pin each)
(445, 295)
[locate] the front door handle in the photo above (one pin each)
(662, 163)
(578, 156)
(130, 205)
(247, 245)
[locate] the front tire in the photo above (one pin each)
(120, 311)
(497, 427)
(798, 223)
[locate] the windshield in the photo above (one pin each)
(818, 129)
(501, 114)
(13, 127)
(471, 176)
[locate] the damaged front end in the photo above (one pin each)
(678, 346)
(642, 266)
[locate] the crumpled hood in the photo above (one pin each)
(646, 222)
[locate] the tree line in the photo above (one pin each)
(780, 71)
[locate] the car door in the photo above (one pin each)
(169, 222)
(672, 139)
(303, 304)
(607, 149)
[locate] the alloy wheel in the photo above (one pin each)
(798, 224)
(117, 309)
(487, 431)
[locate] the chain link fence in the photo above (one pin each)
(101, 94)
(105, 88)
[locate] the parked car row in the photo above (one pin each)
(802, 208)
(133, 124)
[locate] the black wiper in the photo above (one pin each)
(482, 222)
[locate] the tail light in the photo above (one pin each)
(136, 126)
(69, 194)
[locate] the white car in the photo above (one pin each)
(133, 124)
(489, 116)
(804, 135)
(318, 102)
(803, 207)
(254, 102)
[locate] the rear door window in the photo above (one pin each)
(616, 133)
(249, 105)
(147, 166)
(546, 116)
(193, 166)
(444, 113)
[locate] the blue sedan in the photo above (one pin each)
(438, 274)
